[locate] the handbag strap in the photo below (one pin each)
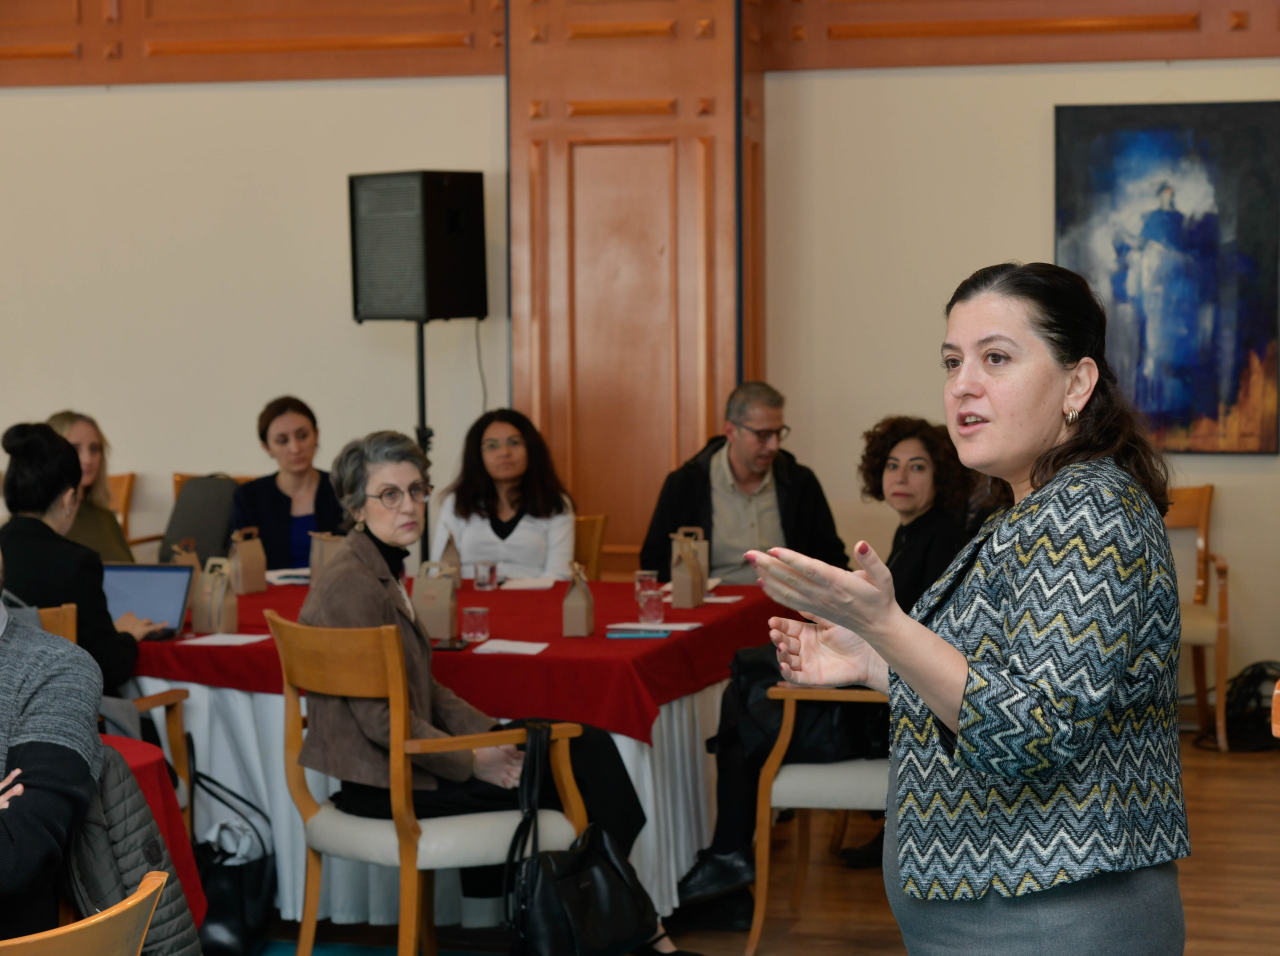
(535, 759)
(212, 787)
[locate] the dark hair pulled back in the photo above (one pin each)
(283, 406)
(1070, 319)
(541, 494)
(42, 465)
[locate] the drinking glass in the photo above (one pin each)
(486, 576)
(475, 624)
(646, 581)
(652, 607)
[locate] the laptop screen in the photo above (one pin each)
(155, 591)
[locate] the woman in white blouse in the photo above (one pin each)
(508, 506)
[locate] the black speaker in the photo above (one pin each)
(417, 246)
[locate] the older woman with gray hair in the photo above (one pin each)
(382, 482)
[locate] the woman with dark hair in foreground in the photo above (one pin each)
(1035, 791)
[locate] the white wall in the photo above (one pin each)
(172, 257)
(885, 188)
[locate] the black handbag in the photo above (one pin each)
(584, 901)
(240, 895)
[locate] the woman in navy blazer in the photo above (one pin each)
(297, 499)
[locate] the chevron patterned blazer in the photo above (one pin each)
(1066, 761)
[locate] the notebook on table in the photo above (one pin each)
(155, 591)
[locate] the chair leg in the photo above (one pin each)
(804, 821)
(838, 830)
(410, 902)
(1220, 666)
(760, 890)
(310, 904)
(427, 914)
(1202, 689)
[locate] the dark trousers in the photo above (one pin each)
(737, 783)
(610, 799)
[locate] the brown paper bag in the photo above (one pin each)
(688, 581)
(701, 547)
(451, 561)
(579, 608)
(323, 547)
(435, 600)
(215, 610)
(184, 552)
(248, 562)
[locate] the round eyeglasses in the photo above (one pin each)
(391, 497)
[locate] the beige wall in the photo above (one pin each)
(171, 257)
(885, 189)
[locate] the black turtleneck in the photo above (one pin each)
(390, 553)
(921, 552)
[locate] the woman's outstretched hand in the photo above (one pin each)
(826, 654)
(861, 601)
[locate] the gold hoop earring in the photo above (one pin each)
(360, 525)
(1073, 416)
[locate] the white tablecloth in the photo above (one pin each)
(239, 741)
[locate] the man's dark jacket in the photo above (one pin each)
(686, 501)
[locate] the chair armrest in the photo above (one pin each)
(494, 738)
(145, 539)
(164, 699)
(1219, 565)
(792, 692)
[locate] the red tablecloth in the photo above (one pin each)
(147, 763)
(614, 684)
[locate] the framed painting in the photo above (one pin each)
(1172, 212)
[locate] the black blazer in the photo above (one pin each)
(685, 501)
(261, 504)
(922, 550)
(46, 570)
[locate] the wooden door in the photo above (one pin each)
(630, 325)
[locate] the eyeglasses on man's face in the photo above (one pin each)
(391, 497)
(494, 444)
(766, 435)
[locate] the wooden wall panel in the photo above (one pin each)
(624, 257)
(832, 34)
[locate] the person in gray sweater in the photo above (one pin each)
(50, 760)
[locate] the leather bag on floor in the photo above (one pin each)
(584, 901)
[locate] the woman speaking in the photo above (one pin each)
(1035, 794)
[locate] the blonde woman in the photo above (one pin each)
(96, 526)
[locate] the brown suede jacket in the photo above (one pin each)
(348, 737)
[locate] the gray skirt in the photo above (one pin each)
(1135, 913)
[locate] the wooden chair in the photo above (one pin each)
(847, 785)
(1202, 626)
(369, 662)
(62, 622)
(588, 543)
(118, 931)
(181, 478)
(121, 498)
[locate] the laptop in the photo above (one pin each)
(156, 591)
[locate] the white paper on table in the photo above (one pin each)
(289, 576)
(226, 640)
(660, 626)
(712, 583)
(527, 584)
(499, 646)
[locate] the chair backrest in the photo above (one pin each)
(60, 621)
(588, 543)
(1189, 508)
(118, 931)
(204, 512)
(121, 497)
(344, 662)
(181, 478)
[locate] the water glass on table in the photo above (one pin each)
(486, 576)
(650, 597)
(475, 624)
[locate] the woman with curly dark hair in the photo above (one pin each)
(912, 465)
(508, 506)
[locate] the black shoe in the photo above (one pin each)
(869, 856)
(730, 913)
(715, 874)
(648, 949)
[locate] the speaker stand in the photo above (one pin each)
(424, 432)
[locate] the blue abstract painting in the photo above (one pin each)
(1172, 212)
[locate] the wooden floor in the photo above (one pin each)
(1230, 884)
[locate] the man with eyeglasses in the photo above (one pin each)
(744, 492)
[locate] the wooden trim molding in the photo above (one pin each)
(40, 51)
(539, 285)
(458, 39)
(661, 107)
(620, 29)
(1032, 26)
